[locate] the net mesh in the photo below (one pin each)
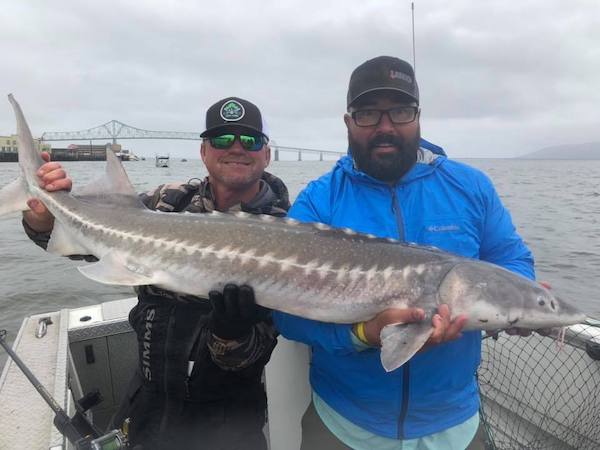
(536, 395)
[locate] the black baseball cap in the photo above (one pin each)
(233, 111)
(383, 73)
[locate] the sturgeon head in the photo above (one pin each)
(491, 297)
(494, 298)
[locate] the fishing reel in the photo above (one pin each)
(113, 440)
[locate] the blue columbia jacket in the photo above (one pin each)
(439, 202)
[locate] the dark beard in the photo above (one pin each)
(391, 167)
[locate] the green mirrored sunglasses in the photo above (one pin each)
(225, 141)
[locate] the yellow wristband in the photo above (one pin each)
(359, 329)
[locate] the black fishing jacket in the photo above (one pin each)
(191, 389)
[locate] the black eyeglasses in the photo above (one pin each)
(225, 141)
(371, 117)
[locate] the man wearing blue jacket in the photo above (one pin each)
(393, 184)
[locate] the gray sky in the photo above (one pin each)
(497, 78)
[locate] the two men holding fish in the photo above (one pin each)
(391, 185)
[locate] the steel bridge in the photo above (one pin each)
(115, 129)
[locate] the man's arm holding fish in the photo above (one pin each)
(38, 221)
(345, 338)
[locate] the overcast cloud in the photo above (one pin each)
(497, 78)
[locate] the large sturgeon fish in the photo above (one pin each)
(313, 271)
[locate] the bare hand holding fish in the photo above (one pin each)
(52, 177)
(444, 327)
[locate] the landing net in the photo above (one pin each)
(535, 396)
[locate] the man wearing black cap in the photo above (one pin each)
(198, 384)
(395, 184)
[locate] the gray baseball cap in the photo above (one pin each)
(383, 73)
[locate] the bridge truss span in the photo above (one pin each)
(116, 130)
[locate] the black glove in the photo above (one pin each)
(234, 312)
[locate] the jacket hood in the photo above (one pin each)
(273, 196)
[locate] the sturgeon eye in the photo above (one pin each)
(541, 302)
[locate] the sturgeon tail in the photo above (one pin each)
(14, 196)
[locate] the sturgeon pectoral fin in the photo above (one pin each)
(62, 243)
(13, 197)
(114, 270)
(401, 341)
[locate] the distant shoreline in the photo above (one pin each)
(589, 151)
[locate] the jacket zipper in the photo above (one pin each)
(406, 368)
(397, 214)
(166, 405)
(404, 407)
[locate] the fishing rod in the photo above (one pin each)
(412, 8)
(83, 434)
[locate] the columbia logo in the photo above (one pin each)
(442, 228)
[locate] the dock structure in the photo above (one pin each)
(80, 153)
(73, 152)
(8, 156)
(278, 149)
(89, 152)
(9, 148)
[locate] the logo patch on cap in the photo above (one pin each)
(232, 111)
(395, 74)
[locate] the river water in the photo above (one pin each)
(555, 206)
